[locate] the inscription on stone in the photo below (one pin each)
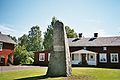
(58, 48)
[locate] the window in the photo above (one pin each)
(91, 57)
(114, 57)
(2, 59)
(41, 56)
(48, 56)
(84, 48)
(104, 48)
(76, 57)
(1, 46)
(103, 57)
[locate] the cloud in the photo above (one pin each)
(7, 29)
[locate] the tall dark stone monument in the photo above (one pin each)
(60, 63)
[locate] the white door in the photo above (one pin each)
(92, 59)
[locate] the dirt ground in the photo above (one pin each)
(18, 68)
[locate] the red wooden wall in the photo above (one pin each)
(7, 49)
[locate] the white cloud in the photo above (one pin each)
(7, 29)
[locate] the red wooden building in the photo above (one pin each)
(95, 51)
(6, 49)
(41, 57)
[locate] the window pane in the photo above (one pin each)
(41, 56)
(0, 46)
(114, 57)
(76, 57)
(103, 57)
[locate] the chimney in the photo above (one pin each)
(80, 35)
(95, 35)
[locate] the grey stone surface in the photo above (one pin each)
(60, 62)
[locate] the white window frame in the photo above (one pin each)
(1, 46)
(93, 58)
(41, 56)
(48, 56)
(111, 54)
(104, 48)
(103, 54)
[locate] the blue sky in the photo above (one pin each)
(86, 16)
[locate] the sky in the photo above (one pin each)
(84, 16)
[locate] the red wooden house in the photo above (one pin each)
(6, 49)
(95, 51)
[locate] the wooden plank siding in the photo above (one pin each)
(36, 58)
(110, 49)
(7, 49)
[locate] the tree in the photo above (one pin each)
(32, 41)
(49, 34)
(23, 41)
(26, 45)
(13, 38)
(70, 32)
(35, 40)
(48, 38)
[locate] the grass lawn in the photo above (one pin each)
(78, 73)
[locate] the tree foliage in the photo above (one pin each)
(13, 38)
(22, 56)
(70, 32)
(23, 41)
(48, 35)
(35, 40)
(48, 38)
(26, 45)
(32, 41)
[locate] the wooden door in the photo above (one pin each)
(84, 61)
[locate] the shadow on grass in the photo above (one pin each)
(73, 77)
(36, 77)
(33, 78)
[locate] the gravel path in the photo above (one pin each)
(18, 68)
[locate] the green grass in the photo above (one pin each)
(78, 73)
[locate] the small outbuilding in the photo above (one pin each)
(41, 58)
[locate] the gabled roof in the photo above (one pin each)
(6, 39)
(82, 51)
(99, 41)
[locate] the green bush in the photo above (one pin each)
(22, 56)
